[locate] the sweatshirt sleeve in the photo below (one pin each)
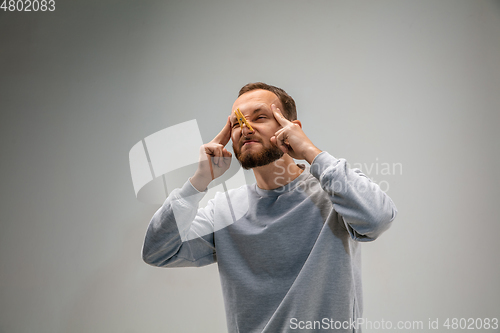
(179, 233)
(366, 210)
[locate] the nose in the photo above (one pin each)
(245, 130)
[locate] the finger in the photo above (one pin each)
(220, 155)
(280, 131)
(281, 138)
(213, 153)
(283, 147)
(209, 150)
(226, 153)
(226, 157)
(280, 142)
(217, 155)
(282, 135)
(224, 135)
(208, 154)
(278, 115)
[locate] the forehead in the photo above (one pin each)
(255, 98)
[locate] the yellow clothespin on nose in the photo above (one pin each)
(241, 119)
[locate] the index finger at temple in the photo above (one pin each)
(278, 115)
(224, 135)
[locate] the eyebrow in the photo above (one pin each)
(259, 109)
(256, 110)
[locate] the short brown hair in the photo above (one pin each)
(289, 109)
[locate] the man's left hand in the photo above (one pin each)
(291, 139)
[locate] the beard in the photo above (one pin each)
(266, 155)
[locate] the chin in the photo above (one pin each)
(253, 159)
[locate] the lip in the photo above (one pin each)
(250, 142)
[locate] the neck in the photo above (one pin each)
(277, 173)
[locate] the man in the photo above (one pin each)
(288, 246)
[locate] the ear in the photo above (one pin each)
(297, 122)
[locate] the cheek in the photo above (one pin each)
(268, 132)
(235, 135)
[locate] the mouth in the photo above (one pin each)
(250, 142)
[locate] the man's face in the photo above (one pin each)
(254, 149)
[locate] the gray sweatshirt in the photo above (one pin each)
(289, 259)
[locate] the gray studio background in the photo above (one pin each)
(413, 84)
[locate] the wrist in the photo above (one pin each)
(311, 153)
(200, 182)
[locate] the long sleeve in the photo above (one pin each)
(179, 233)
(365, 209)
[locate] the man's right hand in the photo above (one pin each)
(214, 159)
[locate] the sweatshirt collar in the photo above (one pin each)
(285, 188)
